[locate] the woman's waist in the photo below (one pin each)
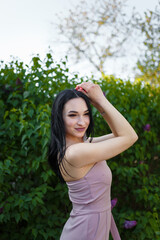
(92, 207)
(79, 212)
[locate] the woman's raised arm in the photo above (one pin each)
(82, 154)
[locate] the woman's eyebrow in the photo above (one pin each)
(77, 112)
(72, 112)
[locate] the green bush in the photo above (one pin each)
(33, 203)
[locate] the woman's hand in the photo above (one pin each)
(93, 91)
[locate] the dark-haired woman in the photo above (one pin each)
(80, 160)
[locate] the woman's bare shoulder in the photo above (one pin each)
(75, 152)
(81, 154)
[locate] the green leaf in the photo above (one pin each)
(26, 94)
(30, 112)
(23, 138)
(34, 232)
(6, 114)
(25, 215)
(17, 217)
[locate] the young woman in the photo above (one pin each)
(81, 161)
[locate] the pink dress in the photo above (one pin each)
(91, 218)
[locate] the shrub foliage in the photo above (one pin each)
(33, 203)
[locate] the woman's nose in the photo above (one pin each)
(81, 120)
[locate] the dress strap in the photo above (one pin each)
(114, 230)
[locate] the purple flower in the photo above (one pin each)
(1, 210)
(18, 81)
(129, 224)
(147, 127)
(113, 202)
(141, 162)
(104, 93)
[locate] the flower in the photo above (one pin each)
(113, 202)
(1, 210)
(147, 127)
(18, 81)
(141, 162)
(129, 224)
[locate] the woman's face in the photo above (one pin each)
(76, 119)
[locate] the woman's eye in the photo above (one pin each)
(72, 115)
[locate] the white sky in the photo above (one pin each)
(25, 28)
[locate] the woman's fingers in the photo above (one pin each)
(80, 88)
(92, 91)
(84, 86)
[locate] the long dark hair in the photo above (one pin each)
(57, 146)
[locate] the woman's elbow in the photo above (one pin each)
(134, 138)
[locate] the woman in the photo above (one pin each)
(81, 161)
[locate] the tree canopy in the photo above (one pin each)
(149, 61)
(100, 30)
(97, 30)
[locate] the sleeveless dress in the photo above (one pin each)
(91, 218)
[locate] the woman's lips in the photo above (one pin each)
(80, 129)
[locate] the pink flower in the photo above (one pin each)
(113, 202)
(129, 224)
(147, 127)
